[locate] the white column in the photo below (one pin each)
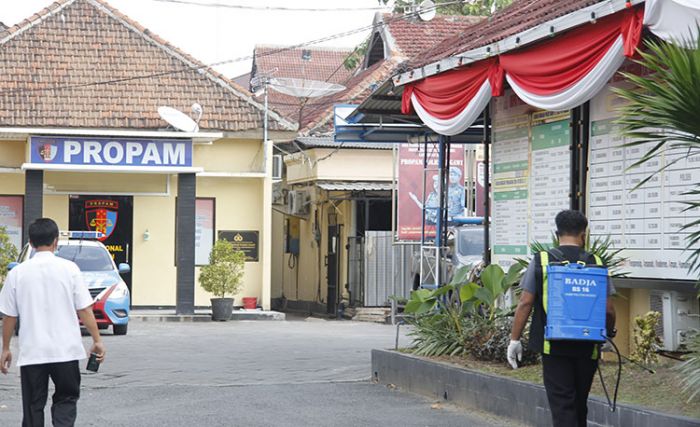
(266, 244)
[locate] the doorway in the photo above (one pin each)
(333, 264)
(111, 215)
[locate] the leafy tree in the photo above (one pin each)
(8, 253)
(450, 7)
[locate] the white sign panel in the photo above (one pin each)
(647, 221)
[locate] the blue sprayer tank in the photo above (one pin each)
(576, 302)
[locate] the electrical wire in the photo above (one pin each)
(270, 8)
(224, 62)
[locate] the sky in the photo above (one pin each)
(218, 34)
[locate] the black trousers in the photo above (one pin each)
(568, 381)
(35, 389)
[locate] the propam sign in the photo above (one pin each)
(110, 152)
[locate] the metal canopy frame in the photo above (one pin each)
(379, 120)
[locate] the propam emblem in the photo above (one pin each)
(47, 152)
(101, 215)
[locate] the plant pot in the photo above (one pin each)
(250, 303)
(221, 309)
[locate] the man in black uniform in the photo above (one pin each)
(568, 367)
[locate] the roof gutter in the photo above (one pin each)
(196, 137)
(516, 41)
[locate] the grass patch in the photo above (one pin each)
(659, 391)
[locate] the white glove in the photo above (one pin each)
(515, 351)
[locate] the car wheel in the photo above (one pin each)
(119, 329)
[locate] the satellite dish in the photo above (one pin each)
(178, 119)
(427, 10)
(304, 88)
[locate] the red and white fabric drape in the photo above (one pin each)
(556, 74)
(450, 102)
(566, 71)
(675, 21)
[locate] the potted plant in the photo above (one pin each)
(223, 276)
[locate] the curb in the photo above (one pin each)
(206, 317)
(518, 400)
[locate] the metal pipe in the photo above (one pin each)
(265, 143)
(583, 154)
(574, 122)
(487, 184)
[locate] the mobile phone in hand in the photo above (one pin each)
(93, 365)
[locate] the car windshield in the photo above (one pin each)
(88, 258)
(471, 242)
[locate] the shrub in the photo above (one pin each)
(646, 342)
(8, 253)
(493, 341)
(224, 273)
(464, 317)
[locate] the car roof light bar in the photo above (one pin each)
(83, 235)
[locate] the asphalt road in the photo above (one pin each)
(295, 373)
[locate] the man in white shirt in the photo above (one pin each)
(46, 292)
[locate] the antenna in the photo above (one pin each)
(178, 119)
(304, 88)
(198, 110)
(427, 10)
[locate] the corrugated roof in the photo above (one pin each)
(355, 186)
(329, 142)
(50, 64)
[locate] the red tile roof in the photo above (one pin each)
(406, 38)
(519, 16)
(50, 64)
(324, 64)
(413, 36)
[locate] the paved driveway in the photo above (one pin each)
(295, 373)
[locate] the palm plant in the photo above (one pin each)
(690, 369)
(662, 109)
(600, 246)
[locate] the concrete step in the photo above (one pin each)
(372, 314)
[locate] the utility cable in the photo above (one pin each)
(228, 61)
(270, 8)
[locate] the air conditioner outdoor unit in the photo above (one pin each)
(679, 311)
(278, 194)
(277, 167)
(298, 202)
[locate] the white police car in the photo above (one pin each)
(101, 275)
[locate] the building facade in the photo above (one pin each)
(82, 141)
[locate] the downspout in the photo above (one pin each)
(487, 184)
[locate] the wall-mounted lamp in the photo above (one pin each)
(146, 235)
